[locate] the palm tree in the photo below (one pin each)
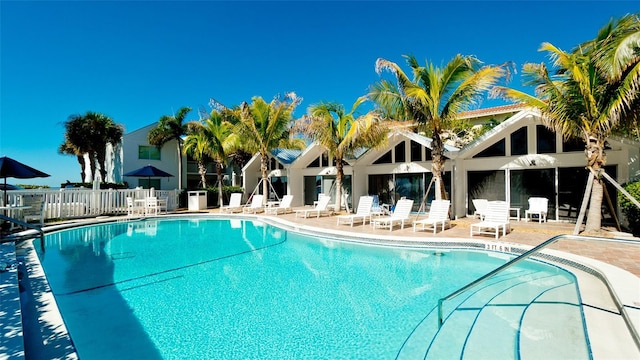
(616, 53)
(67, 148)
(171, 128)
(210, 140)
(266, 126)
(342, 133)
(434, 97)
(102, 130)
(90, 134)
(582, 99)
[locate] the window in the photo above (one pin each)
(149, 183)
(574, 144)
(427, 154)
(497, 149)
(519, 141)
(148, 152)
(416, 151)
(401, 154)
(545, 140)
(315, 163)
(384, 159)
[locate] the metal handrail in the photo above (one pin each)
(523, 256)
(12, 238)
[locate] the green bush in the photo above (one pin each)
(629, 209)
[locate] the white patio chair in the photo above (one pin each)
(235, 204)
(321, 208)
(537, 206)
(362, 212)
(495, 219)
(481, 207)
(400, 215)
(438, 214)
(35, 210)
(151, 206)
(284, 206)
(133, 208)
(255, 206)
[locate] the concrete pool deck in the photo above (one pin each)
(527, 234)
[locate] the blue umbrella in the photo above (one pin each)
(148, 171)
(15, 169)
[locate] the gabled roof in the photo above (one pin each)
(283, 156)
(498, 130)
(425, 141)
(496, 110)
(286, 156)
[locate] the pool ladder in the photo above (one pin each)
(533, 251)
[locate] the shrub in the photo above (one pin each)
(629, 209)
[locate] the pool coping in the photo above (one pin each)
(625, 284)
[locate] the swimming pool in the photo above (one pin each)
(219, 288)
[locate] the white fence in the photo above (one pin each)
(77, 203)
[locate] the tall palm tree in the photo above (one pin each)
(210, 140)
(616, 52)
(171, 128)
(266, 126)
(342, 133)
(434, 97)
(90, 133)
(580, 100)
(102, 130)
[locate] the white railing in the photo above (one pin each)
(77, 203)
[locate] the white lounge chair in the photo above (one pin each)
(255, 206)
(537, 206)
(235, 204)
(284, 206)
(321, 208)
(438, 214)
(481, 207)
(400, 215)
(496, 218)
(362, 213)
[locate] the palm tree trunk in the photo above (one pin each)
(264, 161)
(437, 165)
(83, 166)
(92, 164)
(101, 154)
(594, 216)
(339, 177)
(202, 170)
(219, 171)
(179, 164)
(596, 159)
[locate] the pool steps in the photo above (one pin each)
(499, 321)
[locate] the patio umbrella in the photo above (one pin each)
(148, 171)
(15, 169)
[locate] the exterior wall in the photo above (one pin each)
(168, 159)
(621, 156)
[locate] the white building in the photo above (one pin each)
(517, 159)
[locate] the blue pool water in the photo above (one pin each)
(236, 289)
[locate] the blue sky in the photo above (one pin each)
(139, 60)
